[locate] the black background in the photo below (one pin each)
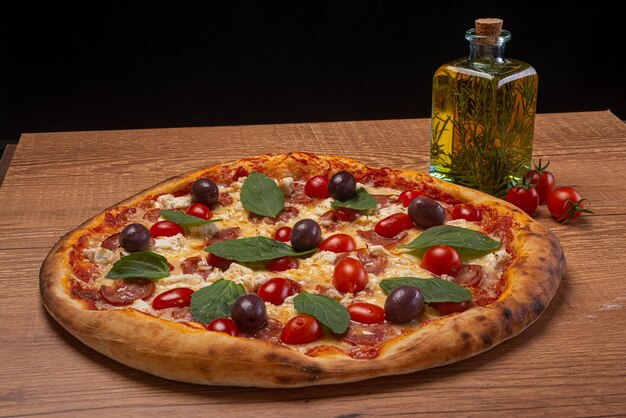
(108, 65)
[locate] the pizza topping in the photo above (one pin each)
(284, 215)
(224, 199)
(215, 301)
(426, 212)
(165, 229)
(223, 234)
(407, 196)
(199, 210)
(261, 195)
(338, 243)
(193, 265)
(393, 225)
(349, 276)
(176, 242)
(373, 238)
(152, 215)
(374, 262)
(298, 195)
(326, 310)
(112, 242)
(317, 187)
(286, 186)
(135, 238)
(249, 312)
(360, 200)
(218, 262)
(204, 191)
(368, 335)
(447, 308)
(168, 201)
(270, 332)
(125, 292)
(469, 275)
(280, 264)
(433, 289)
(468, 212)
(181, 314)
(145, 264)
(225, 325)
(173, 298)
(306, 235)
(182, 220)
(257, 248)
(276, 290)
(342, 186)
(282, 234)
(301, 329)
(366, 313)
(441, 259)
(383, 200)
(99, 255)
(468, 243)
(404, 304)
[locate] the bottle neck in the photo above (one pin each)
(480, 52)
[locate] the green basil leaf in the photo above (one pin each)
(250, 249)
(261, 195)
(185, 220)
(468, 243)
(326, 310)
(215, 301)
(434, 289)
(144, 265)
(361, 200)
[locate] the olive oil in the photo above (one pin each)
(483, 115)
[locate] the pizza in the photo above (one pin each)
(298, 269)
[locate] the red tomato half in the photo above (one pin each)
(392, 225)
(283, 234)
(317, 187)
(165, 229)
(441, 259)
(347, 214)
(199, 210)
(225, 325)
(366, 313)
(468, 212)
(301, 329)
(407, 196)
(282, 264)
(173, 298)
(276, 290)
(446, 308)
(349, 276)
(338, 243)
(218, 262)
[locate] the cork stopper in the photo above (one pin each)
(488, 29)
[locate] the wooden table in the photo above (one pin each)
(571, 362)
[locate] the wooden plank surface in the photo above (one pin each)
(571, 362)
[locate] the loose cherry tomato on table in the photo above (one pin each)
(218, 262)
(283, 234)
(446, 308)
(282, 264)
(366, 313)
(525, 196)
(566, 204)
(199, 210)
(165, 229)
(441, 259)
(468, 212)
(349, 276)
(392, 225)
(301, 329)
(173, 298)
(543, 181)
(276, 290)
(225, 325)
(338, 243)
(317, 187)
(408, 195)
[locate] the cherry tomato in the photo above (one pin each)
(347, 214)
(276, 290)
(281, 264)
(218, 262)
(317, 187)
(441, 259)
(349, 276)
(392, 225)
(301, 329)
(165, 229)
(199, 210)
(170, 265)
(282, 234)
(561, 209)
(468, 212)
(338, 243)
(173, 298)
(407, 196)
(543, 180)
(366, 313)
(225, 325)
(446, 308)
(527, 199)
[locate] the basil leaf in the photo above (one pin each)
(250, 249)
(144, 264)
(326, 310)
(361, 200)
(468, 243)
(185, 220)
(434, 289)
(261, 195)
(215, 301)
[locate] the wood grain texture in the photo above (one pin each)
(569, 363)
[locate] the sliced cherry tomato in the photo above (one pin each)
(301, 329)
(392, 225)
(225, 325)
(218, 262)
(338, 243)
(165, 229)
(281, 264)
(566, 204)
(317, 187)
(407, 196)
(171, 266)
(366, 313)
(283, 234)
(173, 298)
(199, 210)
(441, 259)
(446, 308)
(525, 198)
(276, 290)
(349, 276)
(347, 214)
(468, 212)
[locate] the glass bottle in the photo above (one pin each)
(483, 114)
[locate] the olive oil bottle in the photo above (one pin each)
(483, 114)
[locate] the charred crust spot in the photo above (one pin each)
(487, 340)
(276, 358)
(542, 259)
(466, 346)
(312, 370)
(284, 379)
(538, 306)
(507, 314)
(481, 318)
(466, 336)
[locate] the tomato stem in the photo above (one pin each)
(573, 209)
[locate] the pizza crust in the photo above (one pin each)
(179, 352)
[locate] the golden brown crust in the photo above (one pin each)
(179, 352)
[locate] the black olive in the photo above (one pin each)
(135, 238)
(404, 304)
(426, 212)
(342, 185)
(249, 313)
(306, 234)
(204, 191)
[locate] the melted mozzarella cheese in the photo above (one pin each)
(168, 201)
